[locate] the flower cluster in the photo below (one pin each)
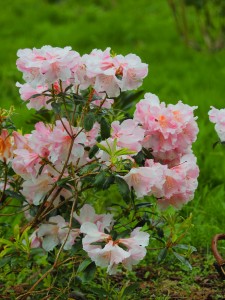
(108, 75)
(169, 130)
(46, 148)
(100, 246)
(168, 133)
(89, 147)
(54, 233)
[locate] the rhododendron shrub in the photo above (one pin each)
(90, 145)
(217, 116)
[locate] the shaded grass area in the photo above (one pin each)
(170, 282)
(175, 72)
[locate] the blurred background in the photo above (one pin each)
(183, 43)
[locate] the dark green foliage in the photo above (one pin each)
(93, 151)
(89, 121)
(56, 107)
(123, 188)
(162, 255)
(108, 181)
(105, 128)
(127, 100)
(100, 179)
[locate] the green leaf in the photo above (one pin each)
(6, 251)
(183, 260)
(102, 244)
(100, 179)
(4, 261)
(104, 129)
(109, 180)
(93, 151)
(89, 120)
(113, 146)
(147, 153)
(129, 290)
(127, 99)
(76, 247)
(99, 291)
(139, 158)
(16, 232)
(124, 234)
(6, 242)
(88, 273)
(162, 255)
(88, 168)
(77, 97)
(124, 151)
(34, 210)
(41, 169)
(56, 107)
(185, 247)
(160, 232)
(77, 295)
(107, 150)
(35, 96)
(68, 87)
(63, 181)
(84, 265)
(14, 195)
(123, 188)
(143, 204)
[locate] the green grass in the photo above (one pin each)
(175, 72)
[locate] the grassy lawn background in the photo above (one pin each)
(147, 29)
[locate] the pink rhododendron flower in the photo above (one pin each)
(101, 67)
(180, 183)
(98, 62)
(61, 141)
(26, 163)
(169, 131)
(128, 134)
(143, 179)
(54, 143)
(217, 116)
(114, 73)
(47, 65)
(27, 91)
(35, 241)
(101, 100)
(112, 253)
(21, 141)
(40, 140)
(55, 232)
(87, 214)
(80, 78)
(92, 135)
(136, 246)
(36, 188)
(132, 71)
(30, 150)
(107, 103)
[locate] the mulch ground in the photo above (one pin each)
(170, 282)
